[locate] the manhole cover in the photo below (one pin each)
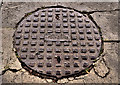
(57, 42)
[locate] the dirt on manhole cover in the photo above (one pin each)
(57, 42)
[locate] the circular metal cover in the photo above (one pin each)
(57, 41)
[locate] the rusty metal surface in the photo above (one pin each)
(57, 41)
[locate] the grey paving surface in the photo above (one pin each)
(110, 26)
(104, 14)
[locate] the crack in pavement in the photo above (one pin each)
(91, 12)
(110, 41)
(46, 80)
(9, 69)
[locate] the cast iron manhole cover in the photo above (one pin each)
(57, 42)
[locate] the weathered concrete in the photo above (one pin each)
(27, 78)
(107, 21)
(10, 77)
(9, 58)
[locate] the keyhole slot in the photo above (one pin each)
(58, 59)
(57, 16)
